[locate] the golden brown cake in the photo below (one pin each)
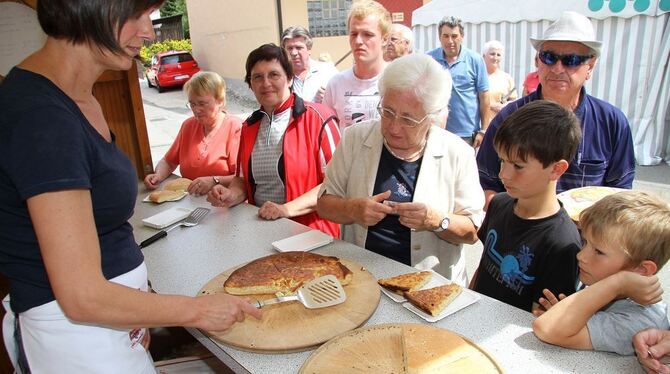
(284, 273)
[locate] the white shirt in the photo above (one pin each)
(354, 100)
(318, 76)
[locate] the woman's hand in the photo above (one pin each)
(650, 346)
(201, 186)
(152, 181)
(370, 210)
(272, 211)
(418, 216)
(220, 196)
(219, 312)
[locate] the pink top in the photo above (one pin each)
(199, 158)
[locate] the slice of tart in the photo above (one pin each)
(406, 282)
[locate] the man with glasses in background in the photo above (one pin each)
(468, 108)
(400, 42)
(566, 56)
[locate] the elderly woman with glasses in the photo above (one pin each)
(284, 147)
(206, 147)
(401, 185)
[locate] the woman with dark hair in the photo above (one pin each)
(78, 280)
(284, 147)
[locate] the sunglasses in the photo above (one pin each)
(569, 61)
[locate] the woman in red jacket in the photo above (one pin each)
(284, 147)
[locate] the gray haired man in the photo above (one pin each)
(311, 76)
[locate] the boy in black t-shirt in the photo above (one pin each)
(530, 242)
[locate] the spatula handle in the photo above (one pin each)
(156, 236)
(261, 303)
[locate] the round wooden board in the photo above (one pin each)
(290, 327)
(384, 349)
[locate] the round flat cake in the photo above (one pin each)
(283, 273)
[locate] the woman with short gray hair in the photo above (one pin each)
(401, 185)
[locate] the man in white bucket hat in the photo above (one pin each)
(567, 53)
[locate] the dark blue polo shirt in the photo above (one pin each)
(605, 157)
(46, 145)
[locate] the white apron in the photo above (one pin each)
(54, 344)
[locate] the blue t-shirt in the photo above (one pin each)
(605, 157)
(389, 237)
(469, 77)
(46, 145)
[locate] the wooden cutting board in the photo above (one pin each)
(388, 348)
(290, 327)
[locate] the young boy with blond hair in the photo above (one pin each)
(530, 242)
(626, 241)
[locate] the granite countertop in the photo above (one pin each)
(188, 258)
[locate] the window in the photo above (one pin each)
(173, 59)
(328, 17)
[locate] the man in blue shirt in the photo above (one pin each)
(468, 117)
(566, 56)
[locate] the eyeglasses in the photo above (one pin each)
(403, 120)
(395, 40)
(569, 61)
(196, 104)
(273, 76)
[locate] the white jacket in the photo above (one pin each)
(448, 182)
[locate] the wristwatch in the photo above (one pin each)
(443, 224)
(216, 180)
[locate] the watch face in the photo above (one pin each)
(445, 223)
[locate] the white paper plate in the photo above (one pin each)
(167, 217)
(467, 297)
(435, 280)
(303, 242)
(179, 197)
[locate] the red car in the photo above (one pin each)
(171, 68)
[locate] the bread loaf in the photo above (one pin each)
(179, 184)
(165, 195)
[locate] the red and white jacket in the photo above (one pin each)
(308, 145)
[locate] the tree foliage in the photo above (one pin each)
(147, 52)
(173, 8)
